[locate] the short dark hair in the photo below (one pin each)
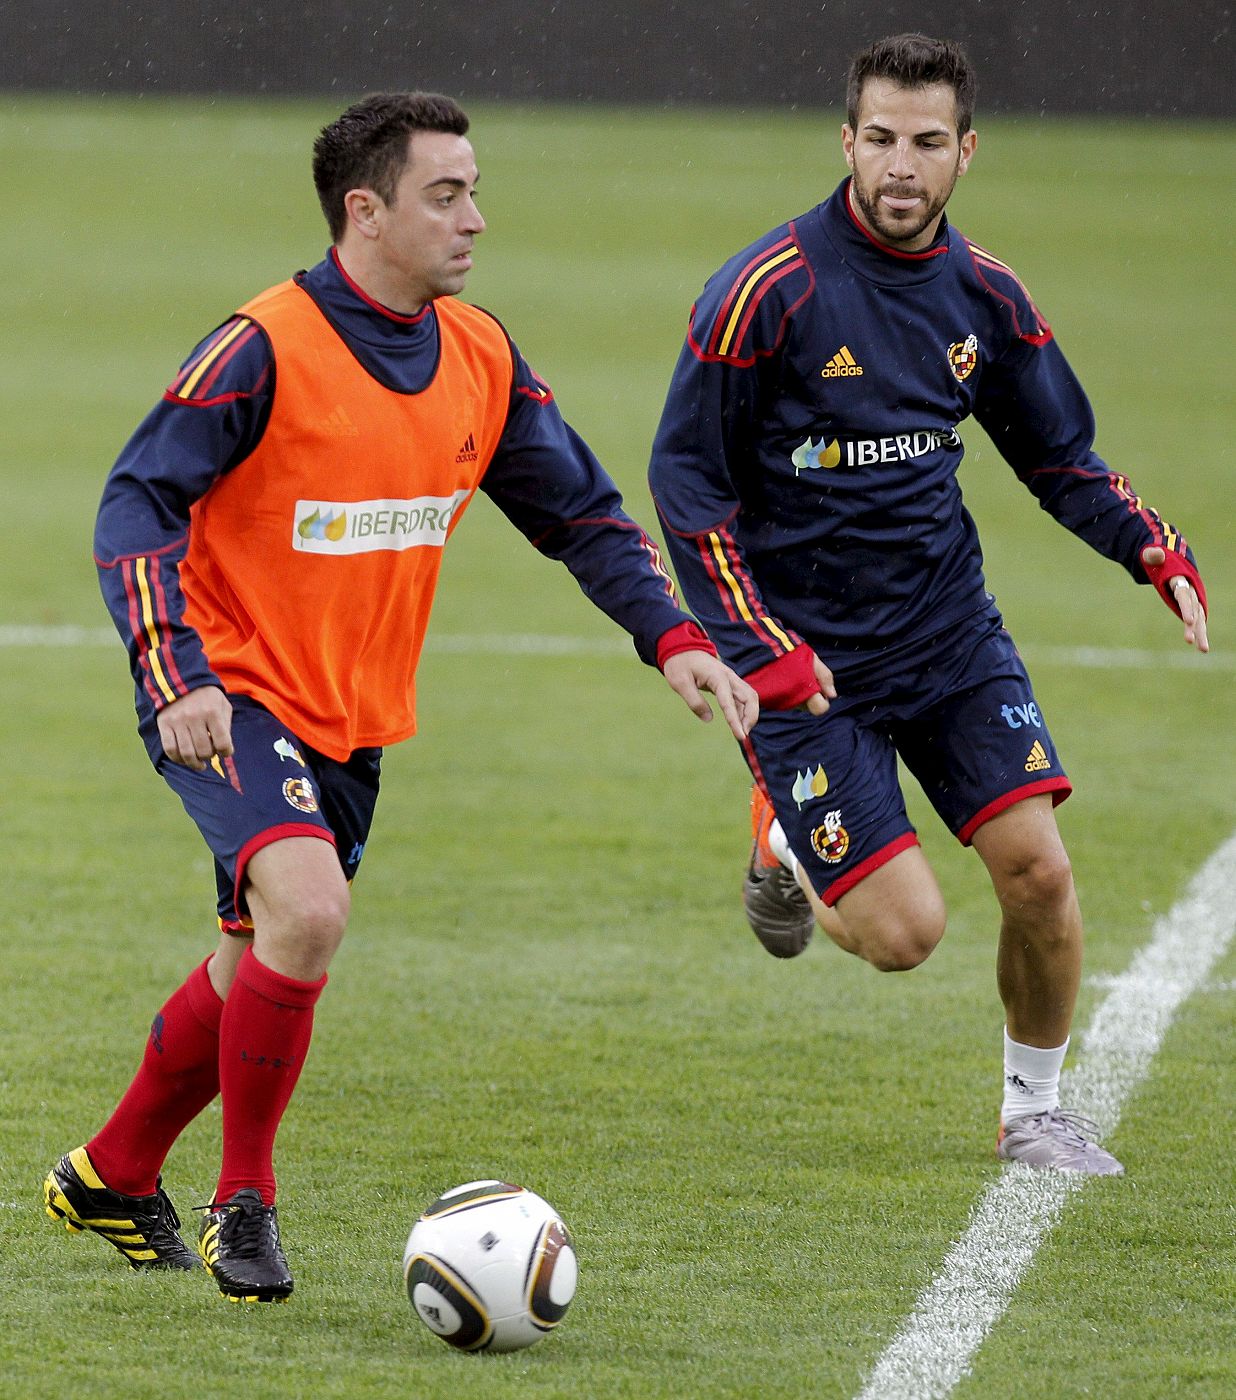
(912, 61)
(367, 146)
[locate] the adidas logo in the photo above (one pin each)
(467, 453)
(843, 365)
(1036, 759)
(338, 424)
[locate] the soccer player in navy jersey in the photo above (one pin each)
(268, 544)
(805, 471)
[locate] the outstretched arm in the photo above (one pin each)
(1036, 413)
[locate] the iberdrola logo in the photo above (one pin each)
(314, 527)
(810, 456)
(809, 785)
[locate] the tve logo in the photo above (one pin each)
(1018, 716)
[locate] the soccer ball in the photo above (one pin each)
(490, 1267)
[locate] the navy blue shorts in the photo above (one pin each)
(273, 786)
(965, 723)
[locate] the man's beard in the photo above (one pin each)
(897, 232)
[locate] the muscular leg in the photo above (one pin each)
(1038, 967)
(299, 901)
(893, 919)
(298, 898)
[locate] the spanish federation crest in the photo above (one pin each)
(963, 358)
(831, 840)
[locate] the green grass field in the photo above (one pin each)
(548, 977)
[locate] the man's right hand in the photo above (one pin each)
(197, 727)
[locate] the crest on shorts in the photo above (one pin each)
(299, 794)
(963, 357)
(831, 840)
(809, 785)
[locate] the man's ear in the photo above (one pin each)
(364, 209)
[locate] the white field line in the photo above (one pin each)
(540, 644)
(934, 1348)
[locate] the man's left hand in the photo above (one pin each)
(690, 672)
(1192, 614)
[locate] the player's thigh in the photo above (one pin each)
(296, 891)
(264, 793)
(297, 888)
(832, 780)
(983, 746)
(895, 916)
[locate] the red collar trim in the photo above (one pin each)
(883, 247)
(377, 305)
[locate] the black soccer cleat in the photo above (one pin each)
(143, 1228)
(777, 910)
(239, 1240)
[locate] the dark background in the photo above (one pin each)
(1111, 57)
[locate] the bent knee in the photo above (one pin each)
(323, 923)
(312, 921)
(898, 944)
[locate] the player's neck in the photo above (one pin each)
(369, 281)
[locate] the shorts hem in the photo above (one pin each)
(1060, 788)
(867, 867)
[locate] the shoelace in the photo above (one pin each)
(1085, 1130)
(165, 1213)
(249, 1228)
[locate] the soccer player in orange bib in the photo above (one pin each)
(269, 545)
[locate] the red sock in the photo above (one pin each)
(178, 1077)
(263, 1039)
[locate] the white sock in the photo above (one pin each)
(780, 847)
(1031, 1078)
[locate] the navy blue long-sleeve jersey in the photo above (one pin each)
(805, 468)
(213, 415)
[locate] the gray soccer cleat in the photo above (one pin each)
(776, 907)
(1063, 1141)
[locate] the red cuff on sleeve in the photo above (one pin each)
(786, 682)
(1174, 566)
(687, 636)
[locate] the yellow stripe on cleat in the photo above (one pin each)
(82, 1165)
